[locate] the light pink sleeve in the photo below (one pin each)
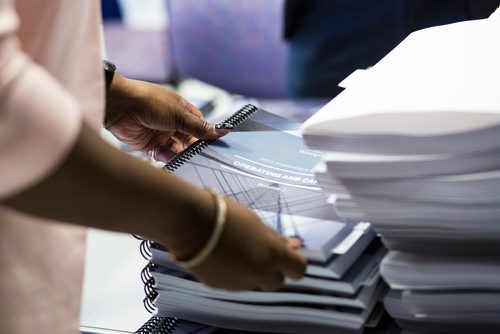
(39, 119)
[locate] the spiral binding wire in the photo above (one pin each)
(160, 325)
(235, 119)
(149, 288)
(241, 115)
(187, 154)
(144, 248)
(155, 325)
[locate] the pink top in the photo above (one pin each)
(50, 75)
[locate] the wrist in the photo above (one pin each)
(192, 231)
(219, 221)
(120, 97)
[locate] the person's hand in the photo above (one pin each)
(250, 255)
(154, 119)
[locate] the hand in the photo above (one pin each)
(250, 255)
(154, 119)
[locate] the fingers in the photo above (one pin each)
(293, 265)
(290, 264)
(272, 282)
(171, 147)
(169, 113)
(191, 122)
(167, 152)
(190, 108)
(184, 139)
(198, 127)
(294, 243)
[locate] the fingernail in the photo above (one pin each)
(295, 243)
(225, 126)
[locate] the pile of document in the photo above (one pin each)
(413, 146)
(319, 303)
(266, 166)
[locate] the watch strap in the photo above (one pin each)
(109, 72)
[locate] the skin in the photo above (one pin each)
(121, 193)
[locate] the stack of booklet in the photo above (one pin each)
(265, 165)
(413, 146)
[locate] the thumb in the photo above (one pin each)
(198, 127)
(293, 265)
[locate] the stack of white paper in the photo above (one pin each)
(412, 145)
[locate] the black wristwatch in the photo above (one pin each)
(109, 72)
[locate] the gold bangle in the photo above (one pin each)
(220, 221)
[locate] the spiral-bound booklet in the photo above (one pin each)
(264, 164)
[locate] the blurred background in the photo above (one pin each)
(287, 55)
(234, 45)
(218, 54)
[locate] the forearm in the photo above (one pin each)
(102, 187)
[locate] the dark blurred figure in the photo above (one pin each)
(110, 9)
(329, 39)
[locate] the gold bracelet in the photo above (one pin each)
(220, 221)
